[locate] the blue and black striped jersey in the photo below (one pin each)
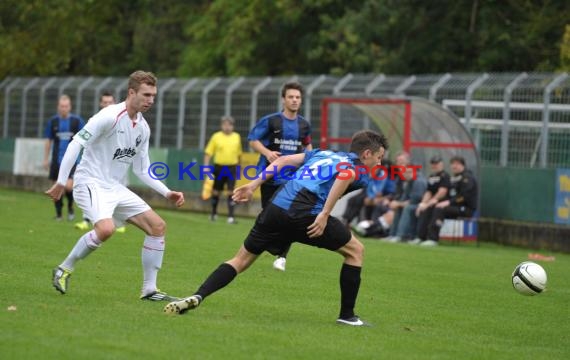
(309, 189)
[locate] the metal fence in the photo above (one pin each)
(516, 119)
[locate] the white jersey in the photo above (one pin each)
(112, 142)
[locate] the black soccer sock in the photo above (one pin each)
(58, 207)
(285, 252)
(368, 209)
(69, 195)
(215, 200)
(349, 285)
(231, 206)
(221, 277)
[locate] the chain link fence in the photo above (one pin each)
(516, 119)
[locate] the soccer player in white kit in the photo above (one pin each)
(114, 139)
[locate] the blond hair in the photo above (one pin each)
(141, 77)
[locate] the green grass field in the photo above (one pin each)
(450, 302)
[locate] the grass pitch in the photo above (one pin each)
(450, 302)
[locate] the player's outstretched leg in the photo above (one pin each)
(353, 253)
(86, 244)
(220, 278)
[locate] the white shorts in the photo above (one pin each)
(117, 203)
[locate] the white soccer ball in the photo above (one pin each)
(529, 278)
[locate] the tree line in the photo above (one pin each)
(199, 38)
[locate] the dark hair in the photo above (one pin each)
(295, 85)
(458, 159)
(141, 77)
(106, 93)
(436, 159)
(367, 139)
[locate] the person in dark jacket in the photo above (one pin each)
(461, 202)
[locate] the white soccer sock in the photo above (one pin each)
(84, 246)
(152, 252)
(383, 223)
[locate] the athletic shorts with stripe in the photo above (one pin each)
(116, 202)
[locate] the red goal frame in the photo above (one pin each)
(407, 143)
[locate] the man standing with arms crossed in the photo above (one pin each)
(277, 134)
(114, 139)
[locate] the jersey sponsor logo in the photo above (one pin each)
(64, 135)
(126, 152)
(84, 134)
(287, 144)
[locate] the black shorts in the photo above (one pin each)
(224, 174)
(54, 171)
(275, 230)
(267, 192)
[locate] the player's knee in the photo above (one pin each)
(104, 230)
(358, 250)
(354, 251)
(158, 228)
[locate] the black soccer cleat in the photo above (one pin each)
(158, 295)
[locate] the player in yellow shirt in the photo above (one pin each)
(225, 147)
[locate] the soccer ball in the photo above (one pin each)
(529, 278)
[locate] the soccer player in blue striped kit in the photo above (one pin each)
(281, 133)
(58, 132)
(300, 212)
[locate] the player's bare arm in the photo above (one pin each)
(339, 187)
(47, 153)
(440, 194)
(207, 159)
(260, 148)
(245, 192)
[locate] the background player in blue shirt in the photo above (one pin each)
(277, 134)
(300, 212)
(59, 130)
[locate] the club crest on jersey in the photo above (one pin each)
(126, 152)
(138, 141)
(84, 134)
